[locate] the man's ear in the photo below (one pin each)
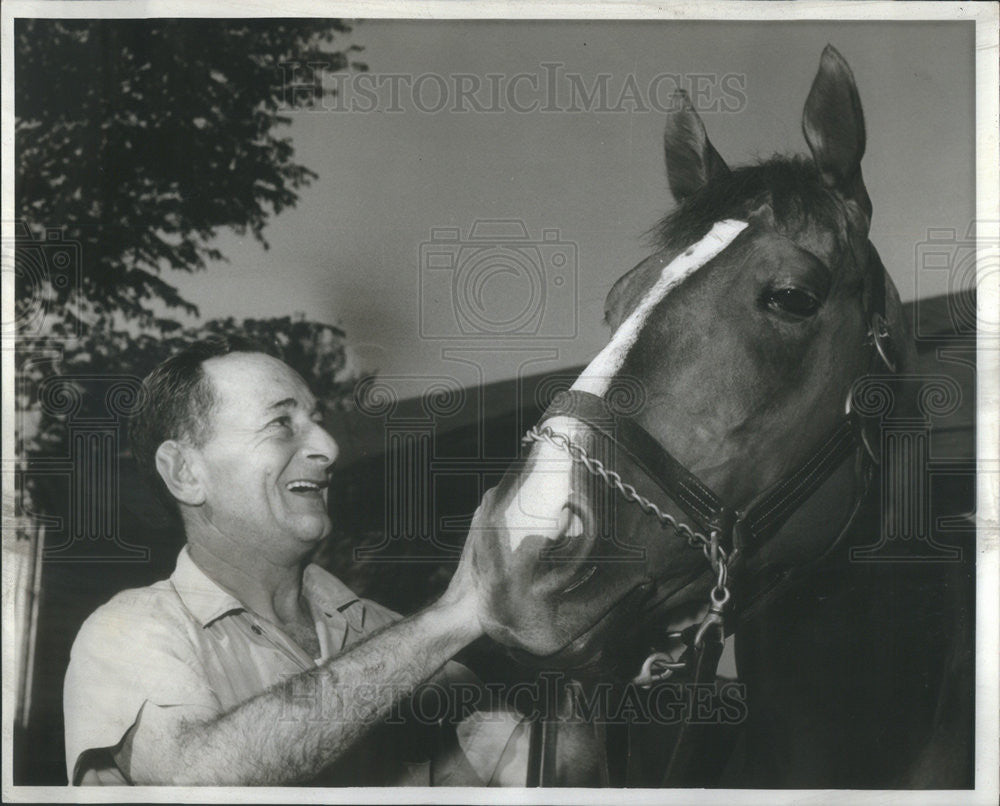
(173, 463)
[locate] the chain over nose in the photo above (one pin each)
(715, 553)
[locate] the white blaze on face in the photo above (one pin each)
(598, 375)
(537, 506)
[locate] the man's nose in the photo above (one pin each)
(321, 446)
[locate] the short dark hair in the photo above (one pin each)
(179, 399)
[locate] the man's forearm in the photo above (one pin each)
(292, 731)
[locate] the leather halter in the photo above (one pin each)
(743, 530)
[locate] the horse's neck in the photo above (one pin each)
(853, 643)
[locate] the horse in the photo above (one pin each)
(706, 476)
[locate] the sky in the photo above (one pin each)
(383, 243)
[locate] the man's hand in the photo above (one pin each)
(464, 591)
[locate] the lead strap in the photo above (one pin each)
(707, 646)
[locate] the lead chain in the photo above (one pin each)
(714, 553)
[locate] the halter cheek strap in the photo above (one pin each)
(861, 445)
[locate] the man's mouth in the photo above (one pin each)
(307, 486)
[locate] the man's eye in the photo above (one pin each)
(794, 302)
(282, 422)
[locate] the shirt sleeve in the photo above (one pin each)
(126, 659)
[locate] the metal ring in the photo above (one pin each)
(719, 600)
(868, 447)
(879, 333)
(714, 547)
(665, 664)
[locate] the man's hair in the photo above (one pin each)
(179, 400)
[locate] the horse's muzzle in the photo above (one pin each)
(565, 563)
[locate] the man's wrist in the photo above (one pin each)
(456, 621)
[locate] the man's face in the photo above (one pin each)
(264, 466)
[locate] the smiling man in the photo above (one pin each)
(249, 665)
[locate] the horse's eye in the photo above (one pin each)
(793, 302)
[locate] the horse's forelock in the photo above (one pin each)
(790, 187)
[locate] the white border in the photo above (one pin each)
(987, 407)
(985, 16)
(746, 10)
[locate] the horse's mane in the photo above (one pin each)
(791, 186)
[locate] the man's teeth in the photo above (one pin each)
(304, 487)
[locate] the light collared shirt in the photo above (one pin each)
(186, 642)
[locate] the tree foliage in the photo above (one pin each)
(140, 139)
(136, 141)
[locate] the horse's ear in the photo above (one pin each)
(692, 161)
(834, 128)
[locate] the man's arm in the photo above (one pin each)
(292, 731)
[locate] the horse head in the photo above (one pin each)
(708, 444)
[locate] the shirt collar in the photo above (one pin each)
(333, 597)
(207, 601)
(204, 598)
